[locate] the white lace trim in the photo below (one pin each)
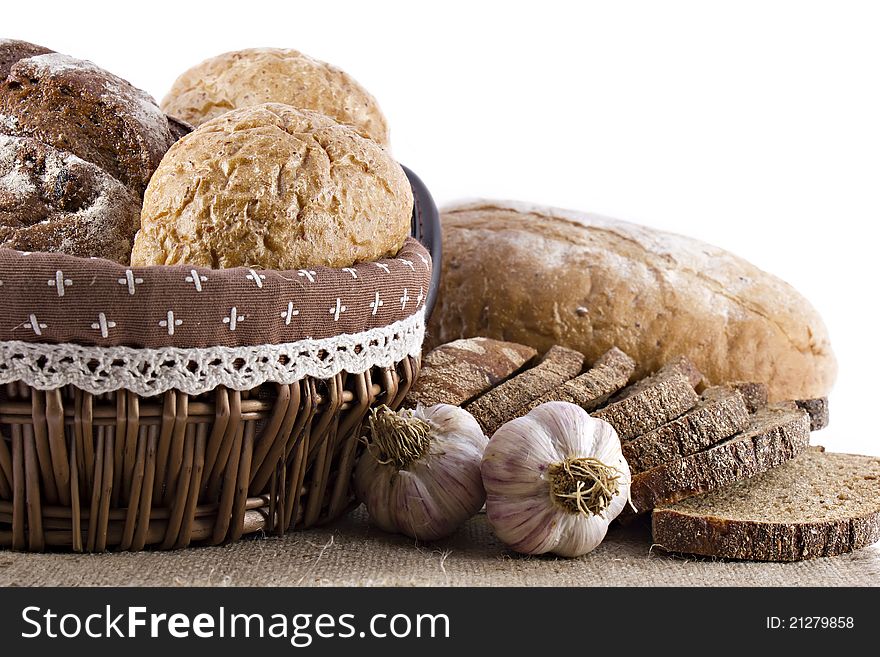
(194, 371)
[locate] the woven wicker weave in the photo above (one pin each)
(121, 471)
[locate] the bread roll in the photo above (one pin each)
(266, 75)
(75, 106)
(541, 276)
(54, 201)
(274, 187)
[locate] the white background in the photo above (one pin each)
(752, 125)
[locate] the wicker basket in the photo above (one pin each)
(121, 470)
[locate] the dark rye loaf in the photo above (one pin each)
(720, 413)
(592, 388)
(75, 106)
(816, 505)
(502, 403)
(776, 434)
(456, 372)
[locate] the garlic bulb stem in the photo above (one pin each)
(397, 438)
(583, 485)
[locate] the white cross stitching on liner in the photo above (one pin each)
(423, 259)
(337, 309)
(289, 314)
(256, 278)
(36, 326)
(233, 319)
(421, 296)
(383, 267)
(408, 263)
(59, 282)
(351, 271)
(103, 325)
(196, 279)
(376, 304)
(170, 322)
(308, 273)
(130, 281)
(404, 299)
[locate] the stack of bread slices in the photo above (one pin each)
(722, 472)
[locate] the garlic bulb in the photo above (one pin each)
(555, 479)
(420, 474)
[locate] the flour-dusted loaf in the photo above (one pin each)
(819, 504)
(775, 435)
(13, 50)
(456, 372)
(542, 276)
(274, 187)
(273, 75)
(53, 201)
(75, 106)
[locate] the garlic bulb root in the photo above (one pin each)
(583, 485)
(397, 439)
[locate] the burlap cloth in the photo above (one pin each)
(351, 553)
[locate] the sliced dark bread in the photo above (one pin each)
(816, 505)
(818, 411)
(720, 413)
(592, 388)
(650, 407)
(501, 403)
(754, 394)
(456, 372)
(681, 366)
(775, 434)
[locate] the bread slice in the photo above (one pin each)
(818, 411)
(817, 505)
(754, 394)
(775, 434)
(650, 407)
(456, 372)
(592, 388)
(681, 366)
(720, 413)
(502, 402)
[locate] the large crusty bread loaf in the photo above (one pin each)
(544, 276)
(816, 505)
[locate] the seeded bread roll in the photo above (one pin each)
(457, 372)
(816, 505)
(542, 276)
(273, 75)
(75, 106)
(54, 201)
(274, 187)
